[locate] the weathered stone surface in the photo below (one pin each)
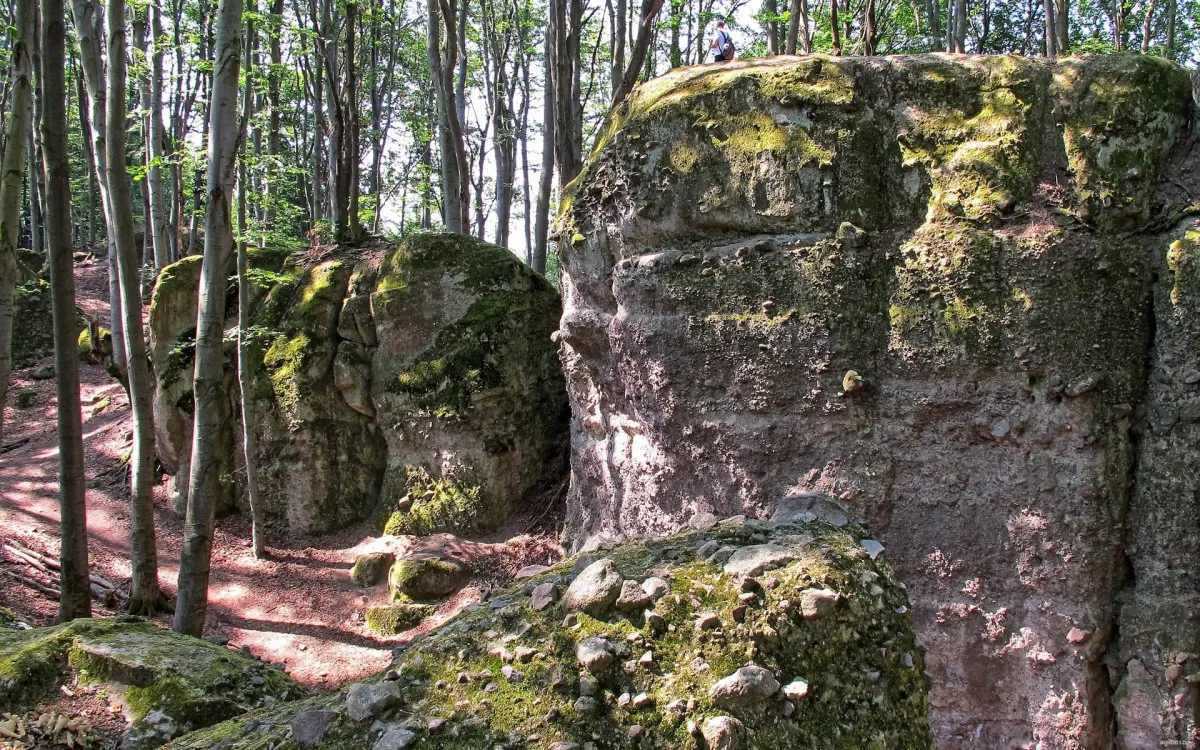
(750, 561)
(458, 672)
(371, 568)
(850, 277)
(308, 727)
(416, 383)
(595, 589)
(395, 738)
(426, 578)
(366, 700)
(594, 654)
(166, 684)
(748, 685)
(724, 733)
(396, 618)
(633, 597)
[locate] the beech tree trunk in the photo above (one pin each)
(154, 144)
(11, 180)
(443, 60)
(145, 596)
(541, 224)
(196, 557)
(244, 370)
(87, 30)
(75, 596)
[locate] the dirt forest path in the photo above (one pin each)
(300, 608)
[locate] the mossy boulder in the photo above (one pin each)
(923, 285)
(371, 568)
(508, 675)
(466, 383)
(426, 578)
(172, 330)
(392, 619)
(165, 683)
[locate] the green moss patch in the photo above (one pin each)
(396, 618)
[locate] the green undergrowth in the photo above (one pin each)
(862, 662)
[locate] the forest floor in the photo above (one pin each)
(299, 609)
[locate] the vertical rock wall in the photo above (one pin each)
(922, 286)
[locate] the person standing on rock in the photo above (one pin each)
(723, 44)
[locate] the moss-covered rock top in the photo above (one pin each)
(791, 144)
(166, 684)
(784, 635)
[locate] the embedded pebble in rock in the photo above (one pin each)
(745, 686)
(1075, 635)
(544, 595)
(586, 705)
(435, 723)
(633, 597)
(308, 727)
(723, 733)
(656, 588)
(511, 674)
(365, 700)
(708, 621)
(721, 555)
(529, 571)
(587, 685)
(703, 520)
(635, 731)
(642, 700)
(799, 507)
(595, 654)
(395, 738)
(873, 548)
(595, 589)
(656, 622)
(796, 689)
(750, 561)
(818, 602)
(524, 654)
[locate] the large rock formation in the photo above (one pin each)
(745, 635)
(415, 382)
(165, 684)
(952, 292)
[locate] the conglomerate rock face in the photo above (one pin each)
(951, 292)
(745, 634)
(416, 383)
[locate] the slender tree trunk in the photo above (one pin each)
(350, 154)
(275, 30)
(833, 27)
(87, 25)
(771, 9)
(154, 144)
(196, 557)
(1051, 38)
(933, 9)
(13, 167)
(960, 26)
(75, 592)
(443, 58)
(1062, 15)
(566, 20)
(1147, 26)
(1172, 10)
(541, 226)
(868, 31)
(650, 9)
(793, 31)
(37, 224)
(244, 366)
(145, 596)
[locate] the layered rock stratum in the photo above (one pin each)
(957, 294)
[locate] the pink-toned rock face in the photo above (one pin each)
(921, 286)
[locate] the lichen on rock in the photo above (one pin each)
(508, 674)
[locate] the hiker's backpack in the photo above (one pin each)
(726, 45)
